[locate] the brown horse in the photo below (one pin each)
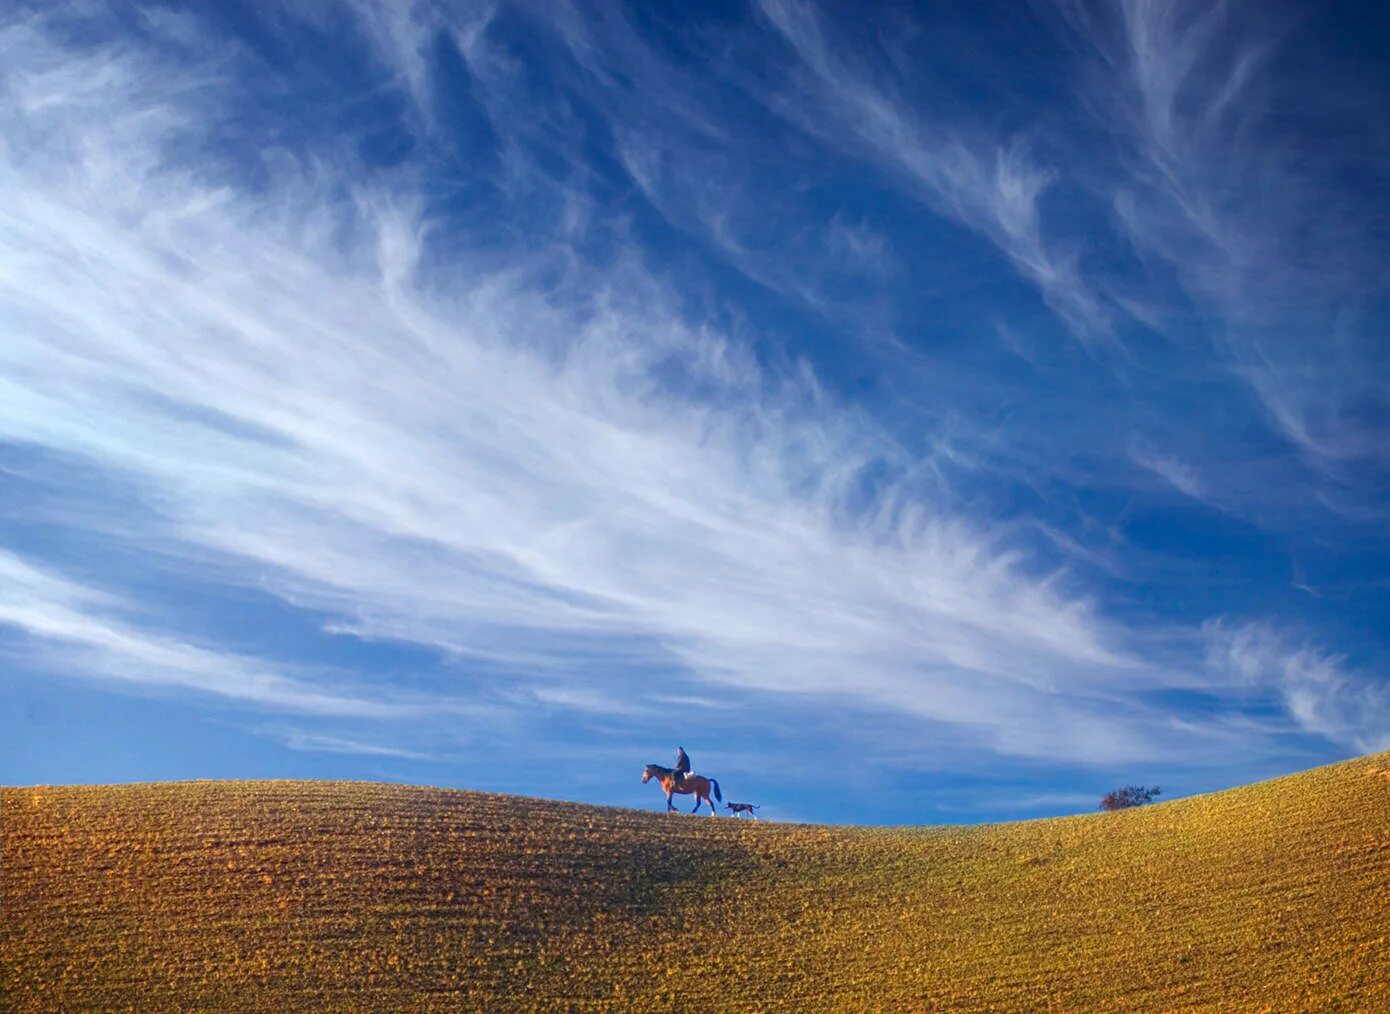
(698, 785)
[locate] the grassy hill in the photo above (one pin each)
(282, 895)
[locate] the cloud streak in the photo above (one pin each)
(1224, 135)
(69, 626)
(1319, 690)
(313, 742)
(986, 184)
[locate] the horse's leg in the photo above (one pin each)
(697, 803)
(712, 811)
(669, 805)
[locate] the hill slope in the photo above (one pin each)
(264, 895)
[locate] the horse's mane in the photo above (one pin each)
(660, 771)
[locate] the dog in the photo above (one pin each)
(738, 808)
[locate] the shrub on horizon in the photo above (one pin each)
(1129, 795)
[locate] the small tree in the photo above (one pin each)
(1127, 796)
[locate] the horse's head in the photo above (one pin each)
(646, 774)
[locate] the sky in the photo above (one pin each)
(922, 415)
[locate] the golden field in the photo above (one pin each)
(343, 896)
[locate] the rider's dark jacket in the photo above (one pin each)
(682, 767)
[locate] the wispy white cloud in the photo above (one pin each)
(1229, 188)
(857, 248)
(696, 165)
(1319, 689)
(990, 185)
(315, 742)
(71, 627)
(1176, 472)
(1051, 802)
(586, 699)
(1055, 801)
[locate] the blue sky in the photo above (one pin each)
(939, 415)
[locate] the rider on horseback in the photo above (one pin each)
(681, 779)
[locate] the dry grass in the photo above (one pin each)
(286, 895)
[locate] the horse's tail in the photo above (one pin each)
(717, 794)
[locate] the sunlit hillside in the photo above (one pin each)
(286, 895)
